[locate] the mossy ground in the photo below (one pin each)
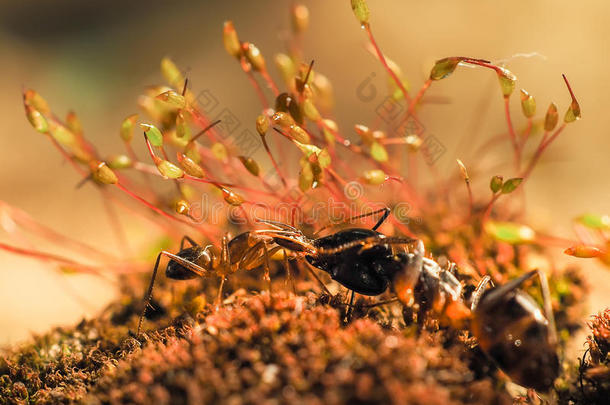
(263, 348)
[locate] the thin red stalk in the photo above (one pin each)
(248, 71)
(511, 133)
(544, 143)
(342, 141)
(24, 220)
(152, 207)
(229, 185)
(68, 157)
(412, 162)
(551, 240)
(419, 96)
(383, 61)
(132, 154)
(275, 165)
(470, 199)
(526, 134)
(270, 82)
(50, 257)
(115, 224)
(489, 207)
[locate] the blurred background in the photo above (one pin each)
(96, 59)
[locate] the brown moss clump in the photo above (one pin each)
(589, 380)
(283, 348)
(259, 349)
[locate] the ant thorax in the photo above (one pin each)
(443, 280)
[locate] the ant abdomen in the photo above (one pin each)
(512, 330)
(195, 254)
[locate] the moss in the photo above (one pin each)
(257, 348)
(588, 380)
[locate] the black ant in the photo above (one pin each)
(508, 324)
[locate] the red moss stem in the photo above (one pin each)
(419, 96)
(383, 61)
(511, 133)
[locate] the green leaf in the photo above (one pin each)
(155, 137)
(250, 165)
(38, 121)
(219, 151)
(127, 127)
(172, 98)
(511, 184)
(120, 162)
(324, 158)
(62, 134)
(378, 152)
(496, 183)
(305, 178)
(171, 72)
(595, 221)
(510, 232)
(444, 67)
(361, 11)
(528, 104)
(169, 170)
(507, 81)
(374, 177)
(551, 118)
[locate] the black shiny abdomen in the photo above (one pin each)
(515, 333)
(363, 271)
(177, 271)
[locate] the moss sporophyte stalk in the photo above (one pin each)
(321, 271)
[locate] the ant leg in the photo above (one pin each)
(548, 306)
(478, 292)
(219, 296)
(188, 239)
(289, 278)
(385, 210)
(225, 264)
(380, 303)
(201, 272)
(148, 295)
(310, 268)
(350, 306)
(266, 269)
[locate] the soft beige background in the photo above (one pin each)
(97, 56)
